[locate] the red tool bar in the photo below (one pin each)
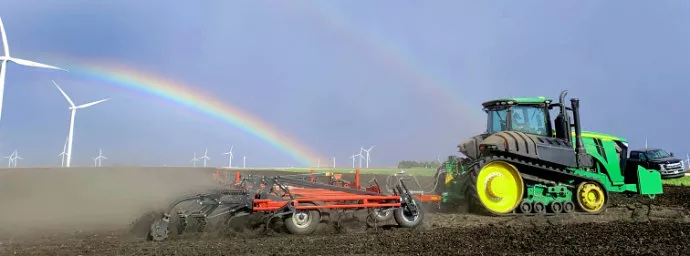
(275, 205)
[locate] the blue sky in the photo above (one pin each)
(337, 75)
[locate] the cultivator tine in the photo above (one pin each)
(159, 228)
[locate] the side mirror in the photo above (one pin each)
(672, 154)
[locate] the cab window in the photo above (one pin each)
(497, 120)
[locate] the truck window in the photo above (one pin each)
(634, 155)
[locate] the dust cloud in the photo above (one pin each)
(89, 199)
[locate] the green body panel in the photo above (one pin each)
(649, 181)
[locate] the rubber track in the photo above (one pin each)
(474, 202)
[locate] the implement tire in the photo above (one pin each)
(405, 219)
(302, 222)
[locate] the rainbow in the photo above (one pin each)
(183, 95)
(394, 58)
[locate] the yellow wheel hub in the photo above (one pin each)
(591, 197)
(499, 187)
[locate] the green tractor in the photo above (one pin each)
(525, 164)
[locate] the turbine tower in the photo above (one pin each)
(244, 162)
(194, 159)
(229, 153)
(99, 159)
(7, 58)
(205, 157)
(367, 152)
(71, 122)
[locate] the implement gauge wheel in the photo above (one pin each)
(302, 222)
(497, 186)
(591, 197)
(407, 219)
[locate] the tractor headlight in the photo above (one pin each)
(486, 147)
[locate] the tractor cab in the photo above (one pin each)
(528, 115)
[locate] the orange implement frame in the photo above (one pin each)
(319, 198)
(329, 202)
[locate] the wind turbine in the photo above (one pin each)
(10, 159)
(333, 162)
(99, 158)
(367, 151)
(229, 153)
(205, 157)
(7, 58)
(360, 156)
(194, 159)
(353, 159)
(63, 153)
(244, 161)
(71, 122)
(16, 156)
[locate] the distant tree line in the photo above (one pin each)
(406, 164)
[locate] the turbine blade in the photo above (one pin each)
(64, 94)
(34, 64)
(91, 103)
(4, 39)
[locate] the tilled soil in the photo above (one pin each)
(631, 226)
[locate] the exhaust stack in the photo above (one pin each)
(575, 105)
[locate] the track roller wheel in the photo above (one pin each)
(409, 219)
(556, 207)
(591, 197)
(525, 207)
(302, 222)
(568, 206)
(497, 186)
(538, 207)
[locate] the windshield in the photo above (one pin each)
(657, 154)
(529, 119)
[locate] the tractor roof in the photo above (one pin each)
(510, 101)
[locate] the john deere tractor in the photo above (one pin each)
(526, 164)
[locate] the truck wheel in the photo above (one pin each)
(302, 222)
(405, 218)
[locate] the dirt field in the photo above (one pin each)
(631, 226)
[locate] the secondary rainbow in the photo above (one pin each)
(183, 95)
(388, 52)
